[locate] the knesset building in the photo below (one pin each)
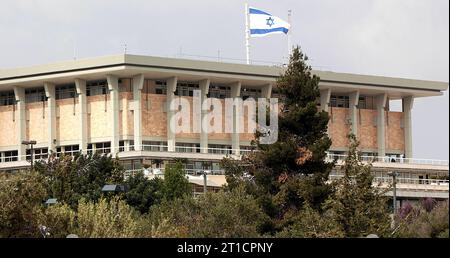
(118, 105)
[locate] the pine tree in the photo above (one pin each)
(356, 204)
(293, 170)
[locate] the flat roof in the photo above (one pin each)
(206, 68)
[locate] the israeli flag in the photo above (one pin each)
(263, 24)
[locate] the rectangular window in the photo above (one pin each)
(100, 147)
(219, 149)
(187, 147)
(160, 87)
(94, 88)
(340, 101)
(103, 147)
(154, 146)
(11, 156)
(362, 103)
(89, 148)
(41, 153)
(366, 102)
(7, 98)
(250, 93)
(186, 88)
(71, 149)
(219, 92)
(35, 95)
(65, 91)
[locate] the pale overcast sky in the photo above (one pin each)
(399, 38)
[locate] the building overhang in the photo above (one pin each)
(127, 66)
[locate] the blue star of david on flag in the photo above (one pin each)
(263, 23)
(270, 21)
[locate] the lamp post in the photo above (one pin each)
(394, 190)
(205, 172)
(31, 143)
(204, 182)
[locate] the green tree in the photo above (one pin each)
(224, 214)
(309, 223)
(21, 197)
(69, 179)
(176, 185)
(59, 220)
(356, 204)
(105, 219)
(143, 193)
(292, 171)
(421, 222)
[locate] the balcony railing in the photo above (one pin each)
(228, 151)
(434, 162)
(189, 171)
(408, 183)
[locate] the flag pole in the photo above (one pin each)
(247, 34)
(289, 34)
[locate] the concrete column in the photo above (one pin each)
(126, 145)
(353, 106)
(80, 86)
(51, 102)
(204, 89)
(235, 93)
(266, 91)
(21, 121)
(171, 88)
(138, 85)
(407, 109)
(325, 96)
(2, 156)
(113, 87)
(381, 101)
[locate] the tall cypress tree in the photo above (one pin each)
(293, 170)
(298, 157)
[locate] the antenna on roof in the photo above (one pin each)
(74, 49)
(125, 48)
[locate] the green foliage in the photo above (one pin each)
(359, 207)
(176, 185)
(292, 171)
(106, 218)
(21, 196)
(143, 193)
(59, 219)
(222, 214)
(420, 223)
(70, 179)
(309, 223)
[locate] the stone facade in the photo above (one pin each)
(338, 127)
(37, 122)
(395, 133)
(367, 129)
(154, 117)
(67, 120)
(98, 119)
(8, 126)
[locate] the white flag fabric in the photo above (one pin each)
(263, 23)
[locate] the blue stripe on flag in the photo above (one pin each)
(265, 31)
(256, 11)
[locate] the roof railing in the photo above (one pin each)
(387, 159)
